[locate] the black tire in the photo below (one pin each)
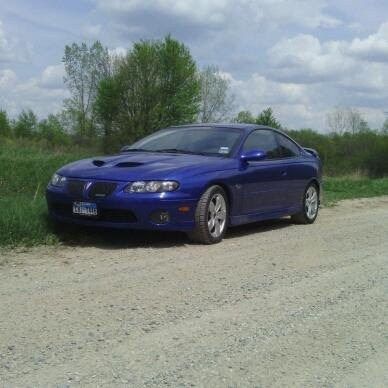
(201, 233)
(303, 217)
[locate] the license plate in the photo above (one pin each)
(88, 209)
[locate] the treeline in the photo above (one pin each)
(351, 146)
(115, 100)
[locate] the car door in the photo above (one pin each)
(262, 180)
(293, 182)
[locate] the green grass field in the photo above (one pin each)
(25, 170)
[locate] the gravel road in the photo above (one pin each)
(275, 304)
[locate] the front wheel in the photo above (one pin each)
(211, 217)
(309, 212)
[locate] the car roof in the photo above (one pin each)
(243, 127)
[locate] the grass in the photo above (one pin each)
(338, 188)
(26, 168)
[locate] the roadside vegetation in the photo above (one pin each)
(26, 167)
(114, 100)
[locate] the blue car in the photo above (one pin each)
(199, 179)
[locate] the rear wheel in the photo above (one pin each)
(211, 217)
(309, 212)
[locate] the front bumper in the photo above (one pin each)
(126, 211)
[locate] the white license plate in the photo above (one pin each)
(85, 209)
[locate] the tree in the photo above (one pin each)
(363, 126)
(337, 121)
(156, 85)
(266, 117)
(216, 100)
(5, 127)
(245, 117)
(107, 104)
(52, 130)
(342, 120)
(85, 68)
(179, 84)
(384, 129)
(26, 124)
(355, 121)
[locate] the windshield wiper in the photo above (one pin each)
(178, 151)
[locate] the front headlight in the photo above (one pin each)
(151, 187)
(58, 180)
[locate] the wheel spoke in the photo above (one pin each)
(218, 204)
(217, 228)
(217, 214)
(210, 224)
(311, 202)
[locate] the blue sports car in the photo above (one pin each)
(200, 179)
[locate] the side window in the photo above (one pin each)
(287, 148)
(263, 140)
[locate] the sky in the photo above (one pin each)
(301, 57)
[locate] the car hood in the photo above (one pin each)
(145, 166)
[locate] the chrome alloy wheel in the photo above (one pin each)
(311, 202)
(216, 218)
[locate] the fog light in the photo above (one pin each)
(160, 217)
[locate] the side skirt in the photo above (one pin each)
(254, 217)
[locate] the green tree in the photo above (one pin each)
(52, 130)
(384, 129)
(266, 117)
(26, 124)
(154, 86)
(85, 68)
(5, 126)
(216, 100)
(179, 84)
(245, 117)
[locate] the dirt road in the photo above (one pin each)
(275, 304)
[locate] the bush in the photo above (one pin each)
(363, 152)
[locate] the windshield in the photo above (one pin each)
(194, 140)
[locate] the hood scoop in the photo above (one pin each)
(98, 163)
(129, 164)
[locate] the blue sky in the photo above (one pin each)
(302, 57)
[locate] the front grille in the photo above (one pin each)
(75, 188)
(107, 215)
(101, 189)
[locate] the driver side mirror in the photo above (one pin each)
(253, 156)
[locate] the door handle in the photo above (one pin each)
(283, 173)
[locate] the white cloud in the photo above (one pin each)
(92, 31)
(52, 77)
(291, 102)
(207, 15)
(42, 94)
(304, 59)
(210, 11)
(374, 47)
(306, 13)
(8, 79)
(11, 50)
(5, 47)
